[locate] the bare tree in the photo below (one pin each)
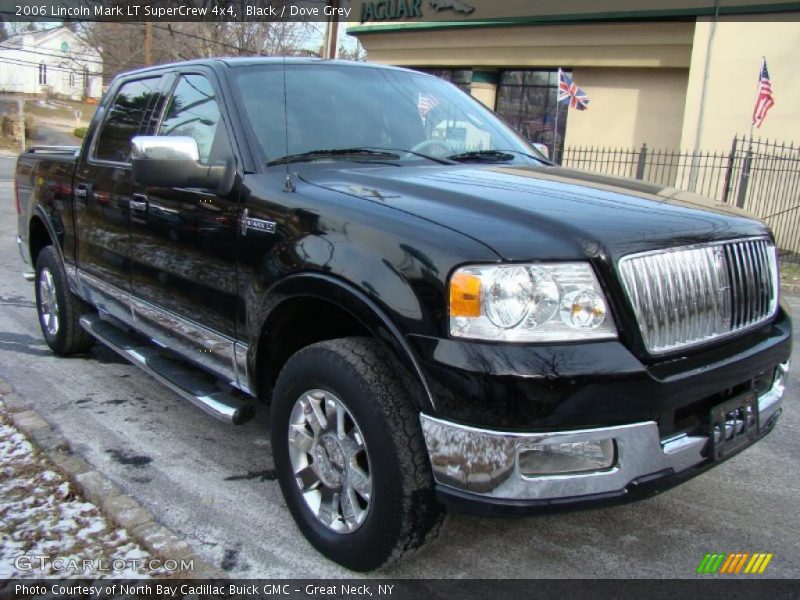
(121, 44)
(122, 47)
(354, 52)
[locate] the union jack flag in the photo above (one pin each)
(426, 103)
(571, 93)
(764, 101)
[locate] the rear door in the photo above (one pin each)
(103, 191)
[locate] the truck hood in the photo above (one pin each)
(545, 212)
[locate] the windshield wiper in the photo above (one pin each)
(439, 159)
(338, 152)
(493, 156)
(483, 156)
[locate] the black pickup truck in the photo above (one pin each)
(438, 316)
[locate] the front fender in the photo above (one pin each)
(350, 299)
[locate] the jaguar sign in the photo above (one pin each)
(390, 10)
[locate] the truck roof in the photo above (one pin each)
(236, 61)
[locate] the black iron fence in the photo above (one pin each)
(762, 177)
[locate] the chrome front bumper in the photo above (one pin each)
(486, 463)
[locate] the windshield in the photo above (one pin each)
(333, 107)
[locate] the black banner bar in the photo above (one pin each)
(400, 589)
(174, 10)
(473, 12)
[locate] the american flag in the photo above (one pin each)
(426, 103)
(571, 93)
(764, 101)
(537, 128)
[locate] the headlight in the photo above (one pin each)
(528, 303)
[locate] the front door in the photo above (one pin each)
(184, 241)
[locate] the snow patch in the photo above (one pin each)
(40, 515)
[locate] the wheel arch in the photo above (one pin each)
(42, 233)
(312, 307)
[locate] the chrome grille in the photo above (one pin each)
(683, 297)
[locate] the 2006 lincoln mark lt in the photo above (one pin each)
(438, 315)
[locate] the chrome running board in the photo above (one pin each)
(183, 378)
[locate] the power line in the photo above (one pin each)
(168, 29)
(172, 31)
(73, 55)
(70, 55)
(26, 63)
(197, 37)
(22, 61)
(66, 56)
(11, 46)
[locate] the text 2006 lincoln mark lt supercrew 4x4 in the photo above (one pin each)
(437, 315)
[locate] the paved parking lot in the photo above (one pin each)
(214, 484)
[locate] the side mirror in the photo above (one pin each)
(174, 161)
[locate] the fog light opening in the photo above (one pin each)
(536, 460)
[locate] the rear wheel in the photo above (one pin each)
(58, 308)
(350, 456)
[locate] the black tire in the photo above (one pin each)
(68, 337)
(403, 513)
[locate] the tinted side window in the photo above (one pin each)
(193, 111)
(126, 118)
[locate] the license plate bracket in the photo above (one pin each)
(733, 424)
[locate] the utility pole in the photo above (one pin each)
(21, 115)
(148, 43)
(695, 167)
(332, 32)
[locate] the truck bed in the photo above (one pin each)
(44, 177)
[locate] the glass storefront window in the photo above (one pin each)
(526, 99)
(461, 78)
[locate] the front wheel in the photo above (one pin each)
(58, 308)
(350, 456)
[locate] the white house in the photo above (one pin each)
(53, 61)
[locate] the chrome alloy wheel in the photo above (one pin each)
(330, 461)
(48, 303)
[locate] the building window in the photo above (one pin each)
(42, 74)
(461, 78)
(527, 100)
(71, 79)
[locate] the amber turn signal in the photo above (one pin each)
(465, 295)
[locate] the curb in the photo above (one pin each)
(121, 509)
